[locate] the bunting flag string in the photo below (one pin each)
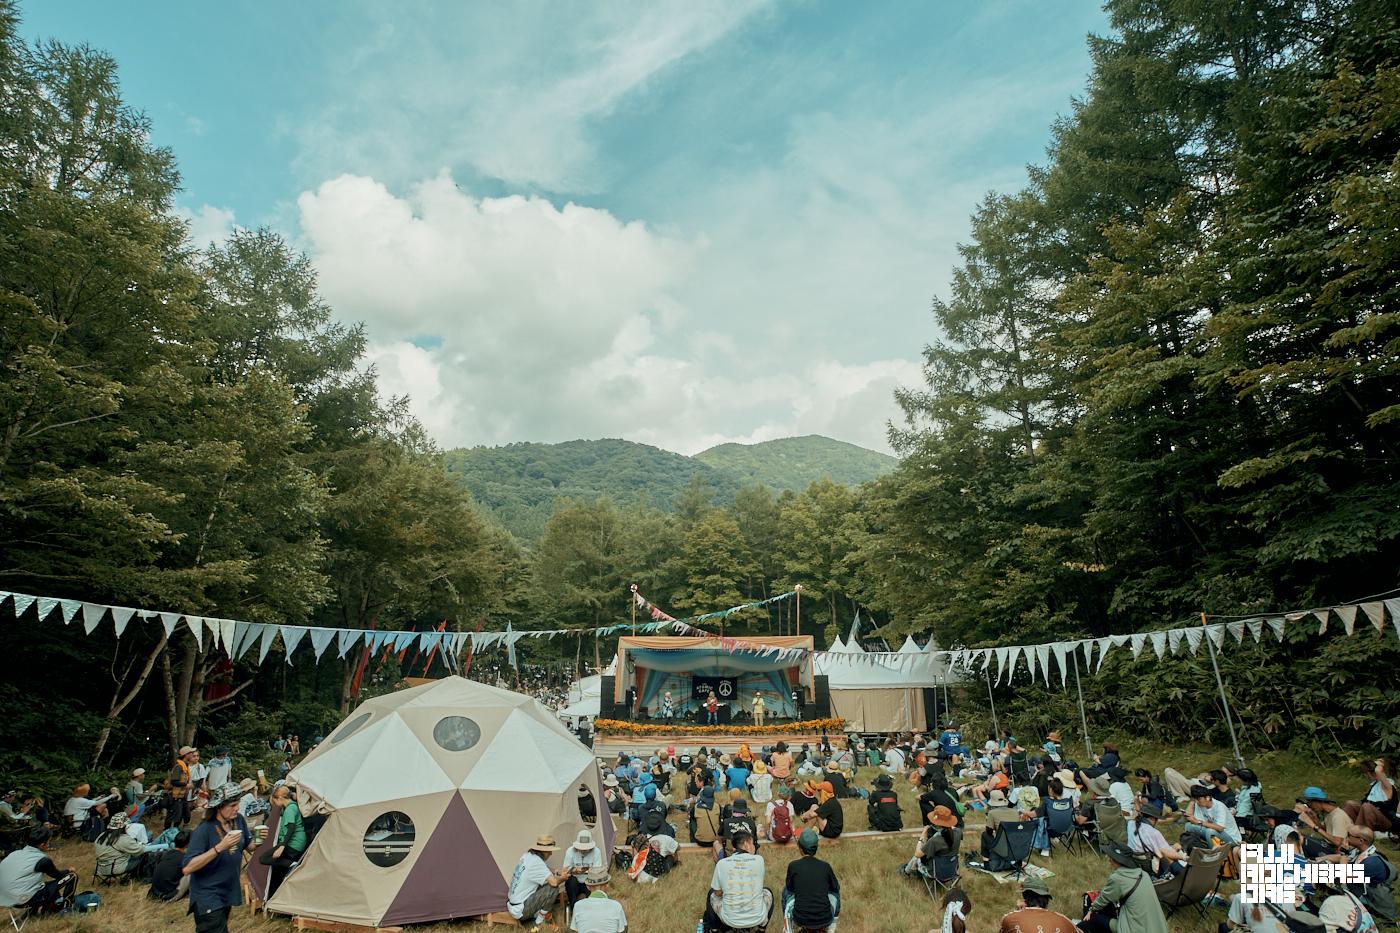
(237, 638)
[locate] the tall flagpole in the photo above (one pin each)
(634, 609)
(1224, 700)
(798, 590)
(1083, 720)
(996, 726)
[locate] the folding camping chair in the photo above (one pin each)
(1194, 886)
(1019, 767)
(1012, 845)
(1060, 825)
(18, 917)
(1109, 824)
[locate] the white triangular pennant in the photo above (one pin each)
(1030, 661)
(1043, 651)
(1348, 616)
(345, 640)
(92, 614)
(1256, 628)
(1104, 645)
(269, 635)
(1277, 626)
(321, 639)
(1193, 638)
(228, 634)
(1088, 646)
(1138, 642)
(22, 604)
(1236, 628)
(1393, 607)
(403, 640)
(1003, 655)
(169, 620)
(1174, 638)
(1322, 615)
(1159, 644)
(47, 604)
(70, 609)
(196, 625)
(246, 636)
(1217, 635)
(1376, 613)
(120, 618)
(291, 637)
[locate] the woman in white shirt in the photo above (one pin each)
(760, 783)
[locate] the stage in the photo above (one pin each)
(606, 747)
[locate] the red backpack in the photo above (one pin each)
(782, 824)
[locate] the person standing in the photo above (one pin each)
(758, 707)
(214, 861)
(811, 893)
(178, 786)
(712, 709)
(220, 768)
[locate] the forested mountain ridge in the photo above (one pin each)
(797, 462)
(519, 483)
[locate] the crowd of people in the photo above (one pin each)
(183, 836)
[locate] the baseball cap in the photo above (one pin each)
(1036, 886)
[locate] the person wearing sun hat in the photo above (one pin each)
(533, 885)
(836, 779)
(1325, 818)
(1208, 820)
(581, 857)
(760, 783)
(1033, 913)
(118, 854)
(940, 841)
(214, 860)
(598, 913)
(1342, 914)
(1129, 890)
(1149, 842)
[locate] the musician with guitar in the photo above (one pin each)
(178, 786)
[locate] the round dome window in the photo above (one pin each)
(456, 733)
(350, 728)
(389, 839)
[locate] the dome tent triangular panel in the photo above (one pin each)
(529, 757)
(485, 722)
(456, 873)
(506, 819)
(383, 759)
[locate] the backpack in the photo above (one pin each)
(782, 824)
(86, 903)
(653, 816)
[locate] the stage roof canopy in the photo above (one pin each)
(706, 655)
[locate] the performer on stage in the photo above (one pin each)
(668, 706)
(758, 706)
(712, 710)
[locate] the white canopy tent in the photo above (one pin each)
(882, 692)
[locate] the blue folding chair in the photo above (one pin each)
(1059, 822)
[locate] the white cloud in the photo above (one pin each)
(556, 323)
(207, 225)
(472, 102)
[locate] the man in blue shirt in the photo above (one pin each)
(951, 740)
(214, 860)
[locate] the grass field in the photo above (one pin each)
(876, 899)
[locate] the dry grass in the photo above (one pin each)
(876, 899)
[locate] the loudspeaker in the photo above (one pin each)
(821, 704)
(606, 708)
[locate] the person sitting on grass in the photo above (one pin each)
(22, 875)
(580, 858)
(534, 886)
(737, 899)
(1167, 858)
(1208, 821)
(1378, 891)
(168, 881)
(996, 780)
(837, 780)
(882, 807)
(1033, 913)
(941, 838)
(1129, 893)
(652, 857)
(738, 822)
(119, 855)
(811, 893)
(1323, 817)
(596, 912)
(827, 817)
(780, 818)
(1377, 811)
(780, 763)
(956, 908)
(804, 799)
(760, 784)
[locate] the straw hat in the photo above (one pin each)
(544, 842)
(185, 750)
(996, 799)
(597, 877)
(584, 842)
(1054, 735)
(1066, 777)
(760, 768)
(725, 759)
(831, 765)
(942, 816)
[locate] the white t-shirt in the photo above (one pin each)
(663, 844)
(598, 913)
(761, 787)
(739, 879)
(1122, 793)
(530, 872)
(198, 772)
(577, 858)
(218, 772)
(894, 760)
(76, 809)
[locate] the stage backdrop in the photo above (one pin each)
(659, 663)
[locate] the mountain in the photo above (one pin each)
(519, 483)
(797, 462)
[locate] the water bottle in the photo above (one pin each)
(700, 926)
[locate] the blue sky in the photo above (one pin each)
(678, 223)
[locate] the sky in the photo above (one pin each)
(681, 223)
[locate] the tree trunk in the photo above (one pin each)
(121, 701)
(167, 680)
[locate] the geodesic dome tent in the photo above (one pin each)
(433, 793)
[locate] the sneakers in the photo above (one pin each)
(541, 918)
(1044, 853)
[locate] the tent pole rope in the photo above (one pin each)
(1083, 719)
(1224, 700)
